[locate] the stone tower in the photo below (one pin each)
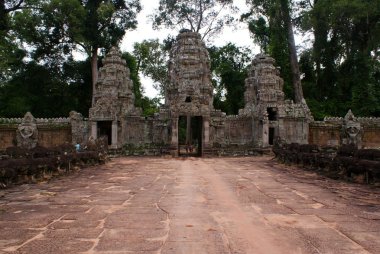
(190, 88)
(113, 99)
(189, 93)
(264, 86)
(273, 116)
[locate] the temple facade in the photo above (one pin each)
(188, 122)
(188, 117)
(113, 101)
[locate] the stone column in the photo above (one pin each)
(94, 130)
(174, 140)
(188, 129)
(114, 134)
(265, 133)
(206, 133)
(305, 132)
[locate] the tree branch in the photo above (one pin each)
(191, 23)
(209, 28)
(200, 16)
(16, 7)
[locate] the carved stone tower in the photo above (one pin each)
(189, 93)
(273, 116)
(113, 99)
(264, 86)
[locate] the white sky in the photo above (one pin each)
(238, 35)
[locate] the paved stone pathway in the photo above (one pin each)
(190, 205)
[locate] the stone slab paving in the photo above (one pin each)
(190, 205)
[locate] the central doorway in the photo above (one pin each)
(105, 129)
(190, 135)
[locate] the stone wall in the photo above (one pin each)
(29, 132)
(346, 162)
(265, 119)
(324, 134)
(238, 130)
(7, 136)
(48, 136)
(336, 131)
(371, 137)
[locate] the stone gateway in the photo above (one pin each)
(188, 106)
(188, 122)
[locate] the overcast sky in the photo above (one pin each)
(238, 35)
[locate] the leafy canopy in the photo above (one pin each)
(206, 17)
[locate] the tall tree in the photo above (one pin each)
(152, 57)
(229, 67)
(149, 106)
(285, 9)
(345, 54)
(279, 33)
(59, 26)
(105, 25)
(206, 17)
(9, 6)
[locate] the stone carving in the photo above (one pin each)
(352, 130)
(190, 89)
(263, 86)
(113, 102)
(113, 97)
(273, 116)
(78, 128)
(27, 133)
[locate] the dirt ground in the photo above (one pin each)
(190, 205)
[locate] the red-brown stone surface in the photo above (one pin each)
(190, 205)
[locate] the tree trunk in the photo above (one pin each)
(3, 16)
(94, 71)
(298, 93)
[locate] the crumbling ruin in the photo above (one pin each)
(266, 117)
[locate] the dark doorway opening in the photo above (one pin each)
(272, 114)
(271, 136)
(196, 131)
(190, 140)
(105, 129)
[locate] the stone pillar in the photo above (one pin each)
(94, 130)
(79, 132)
(305, 131)
(206, 133)
(114, 134)
(174, 140)
(188, 129)
(265, 137)
(282, 133)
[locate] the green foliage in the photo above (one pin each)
(48, 81)
(267, 27)
(340, 71)
(261, 31)
(152, 57)
(42, 91)
(148, 106)
(343, 57)
(11, 57)
(46, 92)
(203, 16)
(229, 66)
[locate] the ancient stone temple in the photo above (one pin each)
(188, 118)
(273, 117)
(113, 100)
(190, 91)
